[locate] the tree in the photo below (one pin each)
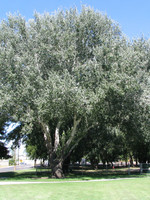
(124, 108)
(57, 72)
(4, 153)
(41, 64)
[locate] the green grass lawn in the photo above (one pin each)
(132, 189)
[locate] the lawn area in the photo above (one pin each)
(125, 189)
(31, 175)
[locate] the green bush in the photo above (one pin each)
(12, 162)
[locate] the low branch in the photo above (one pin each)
(73, 132)
(72, 148)
(77, 141)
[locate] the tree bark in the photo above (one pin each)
(56, 166)
(57, 137)
(47, 137)
(56, 161)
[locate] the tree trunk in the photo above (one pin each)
(131, 161)
(54, 148)
(56, 166)
(94, 163)
(55, 162)
(34, 163)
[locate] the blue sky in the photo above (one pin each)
(132, 15)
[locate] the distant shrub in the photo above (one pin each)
(12, 162)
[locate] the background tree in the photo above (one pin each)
(35, 145)
(4, 153)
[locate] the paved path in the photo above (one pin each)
(84, 181)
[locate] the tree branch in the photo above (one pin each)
(57, 136)
(73, 132)
(72, 148)
(47, 136)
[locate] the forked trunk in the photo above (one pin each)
(52, 142)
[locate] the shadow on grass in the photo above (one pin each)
(22, 175)
(74, 175)
(102, 175)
